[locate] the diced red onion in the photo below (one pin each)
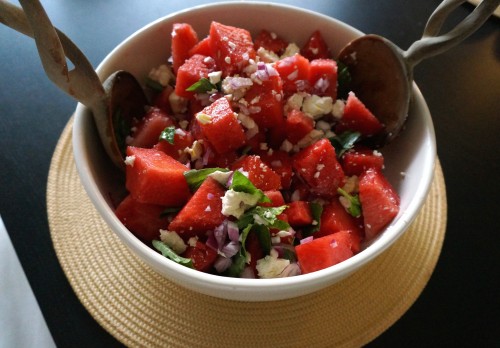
(291, 270)
(306, 240)
(321, 85)
(232, 231)
(206, 156)
(220, 234)
(211, 242)
(230, 249)
(210, 196)
(230, 179)
(248, 273)
(240, 82)
(222, 263)
(301, 85)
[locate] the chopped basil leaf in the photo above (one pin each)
(168, 134)
(343, 80)
(354, 204)
(264, 236)
(241, 183)
(168, 211)
(170, 254)
(267, 216)
(244, 235)
(154, 85)
(195, 177)
(344, 142)
(203, 86)
(289, 255)
(237, 267)
(316, 211)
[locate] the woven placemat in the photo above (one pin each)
(141, 308)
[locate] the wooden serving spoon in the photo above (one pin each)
(114, 103)
(382, 73)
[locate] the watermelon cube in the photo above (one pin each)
(317, 165)
(184, 37)
(193, 69)
(232, 48)
(182, 140)
(358, 160)
(324, 252)
(259, 173)
(203, 256)
(221, 127)
(270, 42)
(299, 214)
(323, 78)
(315, 47)
(154, 177)
(358, 118)
(203, 212)
(298, 125)
(203, 47)
(281, 163)
(294, 72)
(142, 219)
(149, 129)
(379, 202)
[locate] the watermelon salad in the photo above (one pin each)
(252, 160)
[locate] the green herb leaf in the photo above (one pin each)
(343, 80)
(344, 142)
(202, 86)
(267, 216)
(355, 205)
(170, 254)
(168, 134)
(154, 85)
(264, 236)
(316, 211)
(168, 211)
(241, 183)
(121, 128)
(237, 267)
(195, 177)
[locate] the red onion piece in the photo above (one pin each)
(248, 273)
(220, 234)
(291, 270)
(230, 249)
(233, 232)
(306, 240)
(222, 263)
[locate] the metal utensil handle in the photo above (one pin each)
(432, 43)
(82, 83)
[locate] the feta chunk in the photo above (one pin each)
(215, 77)
(290, 50)
(178, 104)
(338, 109)
(221, 177)
(162, 74)
(235, 203)
(129, 161)
(317, 106)
(271, 266)
(203, 118)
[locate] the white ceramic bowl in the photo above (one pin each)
(413, 153)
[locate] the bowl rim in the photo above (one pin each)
(164, 265)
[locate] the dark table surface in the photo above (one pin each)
(460, 305)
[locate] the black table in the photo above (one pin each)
(460, 305)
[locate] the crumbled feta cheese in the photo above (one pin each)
(323, 125)
(178, 104)
(293, 75)
(221, 177)
(267, 56)
(263, 146)
(290, 50)
(286, 146)
(310, 138)
(173, 240)
(184, 124)
(317, 106)
(215, 77)
(162, 74)
(338, 109)
(129, 161)
(203, 118)
(247, 121)
(351, 184)
(195, 151)
(235, 203)
(295, 101)
(227, 60)
(271, 266)
(192, 241)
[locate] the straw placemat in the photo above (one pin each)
(141, 308)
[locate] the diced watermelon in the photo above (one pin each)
(299, 214)
(142, 219)
(203, 47)
(271, 42)
(357, 117)
(276, 199)
(335, 219)
(202, 212)
(358, 160)
(156, 178)
(379, 202)
(203, 257)
(232, 48)
(294, 72)
(276, 135)
(149, 129)
(281, 163)
(261, 175)
(183, 39)
(161, 100)
(223, 131)
(213, 159)
(193, 69)
(182, 140)
(315, 47)
(265, 102)
(317, 165)
(323, 77)
(323, 252)
(298, 125)
(255, 141)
